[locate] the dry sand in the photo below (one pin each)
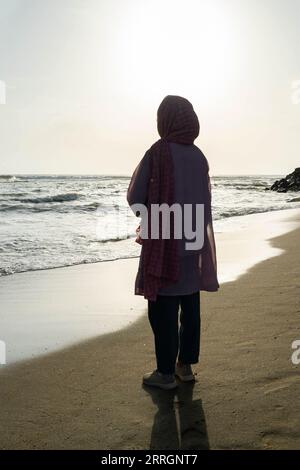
(89, 396)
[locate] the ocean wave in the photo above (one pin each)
(53, 207)
(66, 197)
(9, 179)
(241, 186)
(251, 210)
(295, 199)
(67, 220)
(6, 271)
(117, 238)
(4, 196)
(250, 187)
(10, 207)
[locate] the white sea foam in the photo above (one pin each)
(52, 221)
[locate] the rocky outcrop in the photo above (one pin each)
(289, 183)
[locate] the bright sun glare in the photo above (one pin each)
(167, 47)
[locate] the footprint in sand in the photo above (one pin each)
(280, 383)
(246, 343)
(246, 346)
(280, 438)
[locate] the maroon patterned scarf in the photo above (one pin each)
(176, 122)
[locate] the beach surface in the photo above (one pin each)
(47, 310)
(89, 394)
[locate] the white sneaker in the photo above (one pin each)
(163, 381)
(185, 373)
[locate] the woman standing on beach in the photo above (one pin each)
(171, 275)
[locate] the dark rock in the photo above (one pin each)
(290, 183)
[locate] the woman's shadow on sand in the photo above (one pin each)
(179, 422)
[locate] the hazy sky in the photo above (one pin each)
(84, 79)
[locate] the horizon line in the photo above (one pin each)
(123, 175)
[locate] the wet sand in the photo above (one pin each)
(46, 311)
(246, 396)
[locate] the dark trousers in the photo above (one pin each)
(163, 317)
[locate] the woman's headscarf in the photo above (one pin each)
(177, 120)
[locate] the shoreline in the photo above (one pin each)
(89, 396)
(223, 222)
(48, 310)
